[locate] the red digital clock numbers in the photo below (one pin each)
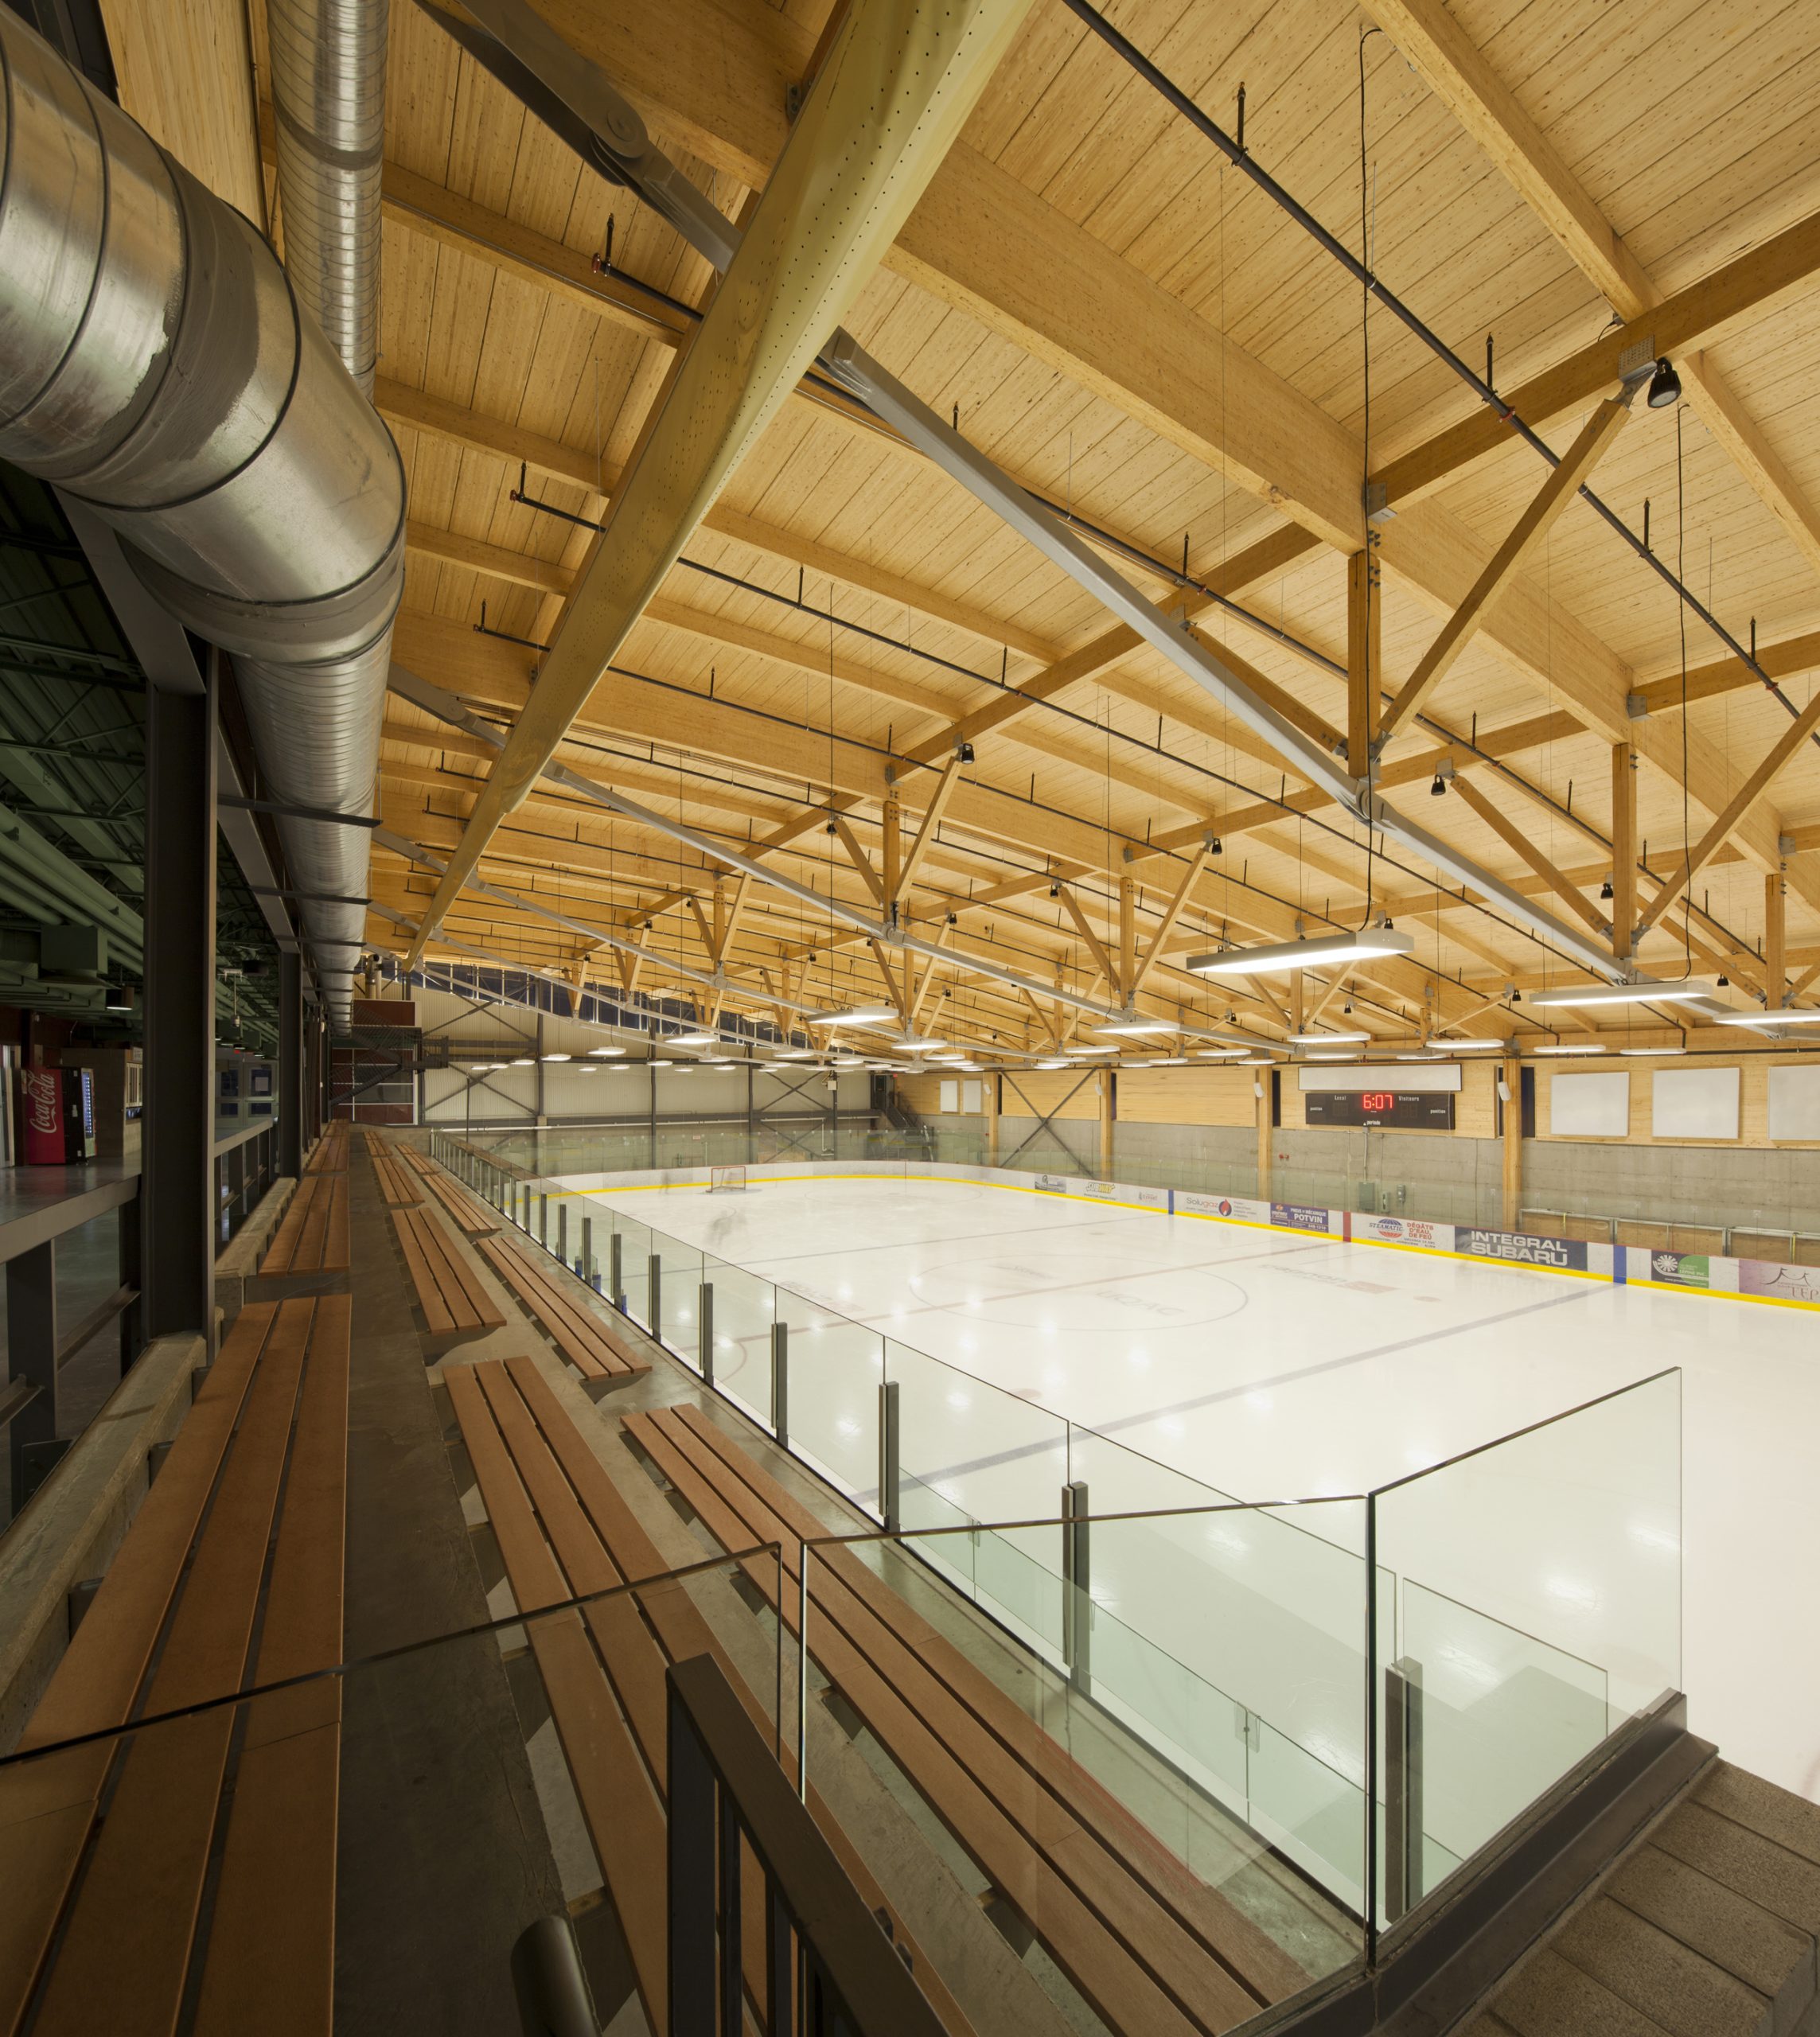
(1377, 1099)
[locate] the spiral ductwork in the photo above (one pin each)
(155, 362)
(328, 90)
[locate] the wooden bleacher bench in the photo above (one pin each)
(1150, 1946)
(101, 1913)
(583, 1339)
(313, 1237)
(331, 1153)
(564, 1530)
(397, 1183)
(421, 1161)
(466, 1210)
(454, 1304)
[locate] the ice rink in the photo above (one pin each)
(1276, 1365)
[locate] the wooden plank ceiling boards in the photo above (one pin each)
(1129, 328)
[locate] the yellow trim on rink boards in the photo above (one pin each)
(1236, 1223)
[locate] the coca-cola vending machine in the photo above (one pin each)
(57, 1115)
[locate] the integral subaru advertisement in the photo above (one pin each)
(1565, 1255)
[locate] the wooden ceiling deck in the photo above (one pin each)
(1128, 327)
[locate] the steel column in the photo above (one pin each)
(289, 1102)
(31, 1360)
(178, 1169)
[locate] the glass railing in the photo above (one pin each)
(1231, 1796)
(1528, 1593)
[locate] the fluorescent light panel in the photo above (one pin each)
(1370, 944)
(1690, 990)
(1327, 1039)
(1808, 1015)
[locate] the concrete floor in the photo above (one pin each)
(444, 1859)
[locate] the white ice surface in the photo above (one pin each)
(1273, 1364)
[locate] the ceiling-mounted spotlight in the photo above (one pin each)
(831, 829)
(964, 750)
(1055, 890)
(953, 919)
(1724, 983)
(1605, 892)
(1213, 846)
(1438, 789)
(1664, 386)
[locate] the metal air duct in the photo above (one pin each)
(155, 362)
(328, 90)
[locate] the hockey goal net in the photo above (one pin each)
(721, 1180)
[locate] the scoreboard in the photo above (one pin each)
(1396, 1110)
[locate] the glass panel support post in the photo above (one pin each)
(1076, 1587)
(585, 1265)
(780, 1384)
(1402, 1788)
(704, 1330)
(563, 1233)
(615, 1271)
(654, 1295)
(543, 1220)
(889, 1510)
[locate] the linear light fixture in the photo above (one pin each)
(862, 1014)
(604, 1054)
(1465, 1047)
(1075, 1053)
(1808, 1015)
(1370, 944)
(1220, 1054)
(559, 1057)
(796, 1053)
(1052, 1064)
(1326, 1039)
(1569, 1050)
(693, 1040)
(1637, 1053)
(1136, 1029)
(1689, 991)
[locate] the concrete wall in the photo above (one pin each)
(1442, 1177)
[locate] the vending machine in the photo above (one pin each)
(57, 1115)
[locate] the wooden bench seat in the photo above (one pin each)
(420, 1161)
(397, 1183)
(105, 1916)
(465, 1209)
(313, 1237)
(455, 1305)
(565, 1530)
(1152, 1947)
(330, 1155)
(583, 1339)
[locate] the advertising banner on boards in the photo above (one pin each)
(1518, 1248)
(1299, 1217)
(1234, 1208)
(1779, 1283)
(1404, 1230)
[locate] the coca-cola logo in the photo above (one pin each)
(40, 1100)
